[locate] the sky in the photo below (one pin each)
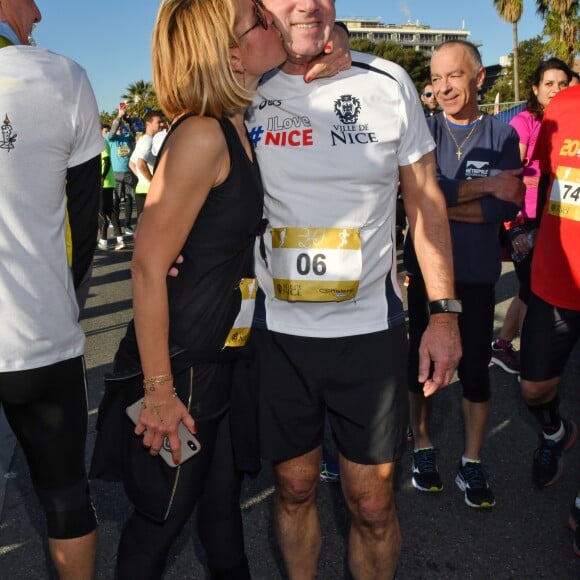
(111, 38)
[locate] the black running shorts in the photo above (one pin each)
(548, 336)
(359, 380)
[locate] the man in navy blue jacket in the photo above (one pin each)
(479, 168)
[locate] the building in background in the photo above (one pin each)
(421, 37)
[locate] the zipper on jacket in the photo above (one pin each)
(178, 468)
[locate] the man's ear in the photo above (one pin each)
(236, 60)
(480, 77)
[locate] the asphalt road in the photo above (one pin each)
(524, 536)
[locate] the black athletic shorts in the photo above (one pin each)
(548, 336)
(359, 380)
(475, 329)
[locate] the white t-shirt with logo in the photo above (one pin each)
(329, 153)
(49, 121)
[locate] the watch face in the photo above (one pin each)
(453, 306)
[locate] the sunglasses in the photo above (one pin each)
(428, 95)
(261, 19)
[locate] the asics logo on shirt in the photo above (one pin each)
(269, 103)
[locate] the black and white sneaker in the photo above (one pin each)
(548, 463)
(425, 473)
(472, 479)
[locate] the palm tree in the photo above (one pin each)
(139, 97)
(511, 11)
(562, 24)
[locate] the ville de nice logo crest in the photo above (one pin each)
(347, 109)
(8, 135)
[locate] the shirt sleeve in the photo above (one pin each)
(522, 127)
(83, 185)
(416, 139)
(88, 140)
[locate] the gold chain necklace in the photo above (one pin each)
(475, 126)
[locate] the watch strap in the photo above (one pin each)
(445, 305)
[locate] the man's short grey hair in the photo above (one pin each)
(471, 48)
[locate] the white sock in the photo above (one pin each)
(119, 238)
(465, 460)
(559, 434)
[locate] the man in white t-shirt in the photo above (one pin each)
(331, 335)
(50, 145)
(144, 158)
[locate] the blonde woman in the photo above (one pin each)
(205, 202)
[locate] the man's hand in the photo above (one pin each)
(440, 346)
(336, 57)
(508, 186)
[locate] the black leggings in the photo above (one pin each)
(47, 410)
(125, 188)
(140, 203)
(109, 211)
(475, 328)
(212, 483)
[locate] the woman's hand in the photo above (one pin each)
(336, 57)
(160, 418)
(521, 244)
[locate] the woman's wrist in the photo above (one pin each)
(154, 383)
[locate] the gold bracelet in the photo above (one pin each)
(149, 383)
(160, 404)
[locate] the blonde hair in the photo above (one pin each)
(192, 70)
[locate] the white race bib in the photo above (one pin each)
(316, 264)
(240, 332)
(565, 194)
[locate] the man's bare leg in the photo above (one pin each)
(419, 417)
(296, 520)
(375, 535)
(475, 419)
(74, 559)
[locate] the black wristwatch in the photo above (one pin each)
(445, 305)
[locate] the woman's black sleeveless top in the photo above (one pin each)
(204, 299)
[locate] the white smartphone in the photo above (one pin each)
(190, 446)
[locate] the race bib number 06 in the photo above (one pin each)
(565, 194)
(316, 264)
